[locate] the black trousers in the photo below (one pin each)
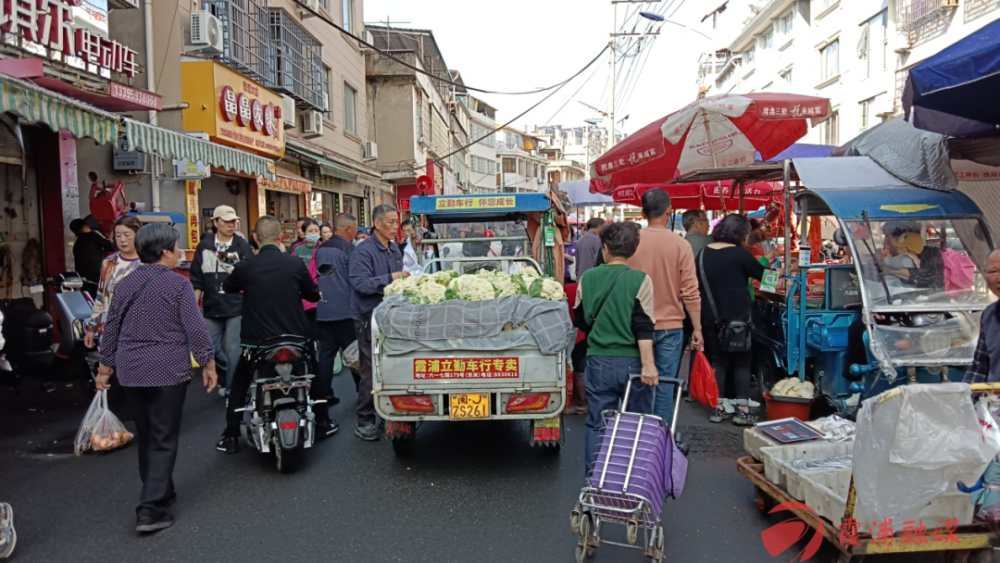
(366, 403)
(334, 336)
(157, 412)
(733, 368)
(238, 396)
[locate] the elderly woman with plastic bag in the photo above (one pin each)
(153, 329)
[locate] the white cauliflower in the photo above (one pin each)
(527, 272)
(443, 277)
(552, 290)
(434, 292)
(473, 288)
(402, 286)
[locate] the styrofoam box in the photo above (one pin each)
(799, 479)
(754, 440)
(775, 456)
(830, 504)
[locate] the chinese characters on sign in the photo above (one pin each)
(475, 203)
(238, 107)
(191, 188)
(50, 24)
(794, 112)
(467, 368)
(914, 532)
(977, 176)
(634, 158)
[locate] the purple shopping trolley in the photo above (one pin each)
(636, 467)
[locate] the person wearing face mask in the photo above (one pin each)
(310, 242)
(410, 261)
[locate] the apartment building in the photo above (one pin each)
(484, 166)
(522, 168)
(854, 52)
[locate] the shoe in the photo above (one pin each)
(222, 390)
(718, 415)
(745, 419)
(729, 405)
(367, 433)
(147, 522)
(332, 400)
(326, 428)
(229, 445)
(8, 537)
(753, 404)
(689, 399)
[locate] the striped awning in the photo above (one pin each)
(171, 144)
(37, 105)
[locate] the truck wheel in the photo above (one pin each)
(289, 461)
(403, 447)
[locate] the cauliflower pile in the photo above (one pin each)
(434, 288)
(792, 387)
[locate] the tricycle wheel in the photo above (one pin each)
(583, 546)
(764, 502)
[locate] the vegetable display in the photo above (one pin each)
(484, 285)
(792, 387)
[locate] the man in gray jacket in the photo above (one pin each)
(696, 226)
(588, 247)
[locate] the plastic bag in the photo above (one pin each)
(101, 430)
(703, 386)
(910, 448)
(352, 357)
(988, 426)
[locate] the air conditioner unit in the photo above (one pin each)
(206, 32)
(288, 111)
(312, 124)
(326, 101)
(540, 180)
(306, 5)
(369, 151)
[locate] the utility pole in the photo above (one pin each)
(614, 50)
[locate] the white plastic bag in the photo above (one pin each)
(352, 357)
(911, 448)
(101, 430)
(988, 426)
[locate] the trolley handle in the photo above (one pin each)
(633, 376)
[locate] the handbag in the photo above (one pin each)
(734, 334)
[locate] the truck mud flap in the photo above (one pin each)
(547, 432)
(400, 430)
(289, 434)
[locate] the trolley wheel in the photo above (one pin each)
(583, 546)
(574, 520)
(764, 502)
(632, 532)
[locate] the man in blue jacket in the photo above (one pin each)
(374, 264)
(334, 316)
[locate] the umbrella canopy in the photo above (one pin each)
(800, 150)
(953, 92)
(714, 132)
(578, 192)
(702, 195)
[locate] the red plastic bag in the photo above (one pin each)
(703, 386)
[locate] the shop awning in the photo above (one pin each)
(37, 105)
(171, 144)
(287, 181)
(334, 170)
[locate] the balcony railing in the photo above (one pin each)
(298, 61)
(246, 37)
(912, 13)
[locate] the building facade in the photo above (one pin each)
(484, 166)
(854, 52)
(522, 168)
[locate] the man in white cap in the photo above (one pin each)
(214, 260)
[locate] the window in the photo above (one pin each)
(787, 77)
(829, 130)
(830, 60)
(509, 166)
(350, 110)
(785, 23)
(323, 4)
(348, 6)
(765, 40)
(420, 115)
(298, 61)
(873, 46)
(327, 74)
(749, 54)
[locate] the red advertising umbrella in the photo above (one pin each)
(715, 132)
(703, 195)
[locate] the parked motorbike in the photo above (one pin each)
(279, 413)
(28, 332)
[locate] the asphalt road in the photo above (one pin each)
(468, 494)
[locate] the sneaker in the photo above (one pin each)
(229, 445)
(326, 428)
(745, 418)
(718, 415)
(332, 400)
(147, 522)
(729, 405)
(753, 404)
(367, 433)
(8, 537)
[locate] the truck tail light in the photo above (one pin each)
(525, 403)
(412, 403)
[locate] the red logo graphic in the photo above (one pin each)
(778, 538)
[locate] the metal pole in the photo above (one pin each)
(787, 168)
(803, 278)
(715, 161)
(741, 185)
(614, 68)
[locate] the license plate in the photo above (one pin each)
(470, 406)
(547, 422)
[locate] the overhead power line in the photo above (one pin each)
(414, 68)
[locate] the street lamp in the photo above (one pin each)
(652, 16)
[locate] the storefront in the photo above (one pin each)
(286, 198)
